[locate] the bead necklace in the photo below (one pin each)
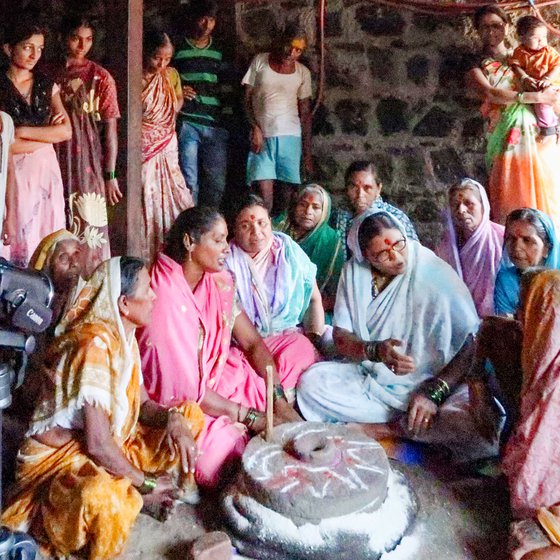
(374, 286)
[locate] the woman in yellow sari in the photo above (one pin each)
(98, 448)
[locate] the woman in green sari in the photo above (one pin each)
(307, 223)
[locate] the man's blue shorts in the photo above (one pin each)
(279, 159)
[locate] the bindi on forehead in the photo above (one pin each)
(387, 241)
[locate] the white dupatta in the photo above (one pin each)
(427, 307)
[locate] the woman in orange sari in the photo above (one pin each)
(98, 448)
(164, 191)
(522, 172)
(532, 455)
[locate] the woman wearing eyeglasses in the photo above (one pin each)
(406, 322)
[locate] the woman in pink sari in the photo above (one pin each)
(164, 191)
(472, 244)
(186, 351)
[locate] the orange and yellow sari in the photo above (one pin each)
(522, 172)
(62, 496)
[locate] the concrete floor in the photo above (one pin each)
(461, 518)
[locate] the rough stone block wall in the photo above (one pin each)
(394, 93)
(394, 89)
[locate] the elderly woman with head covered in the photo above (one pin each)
(406, 322)
(307, 223)
(530, 240)
(59, 256)
(98, 448)
(472, 244)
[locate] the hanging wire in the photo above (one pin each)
(538, 14)
(451, 8)
(321, 86)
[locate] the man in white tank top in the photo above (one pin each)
(278, 100)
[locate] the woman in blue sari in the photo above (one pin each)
(530, 240)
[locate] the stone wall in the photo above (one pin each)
(394, 93)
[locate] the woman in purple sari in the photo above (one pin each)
(275, 283)
(472, 244)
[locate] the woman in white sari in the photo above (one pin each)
(405, 321)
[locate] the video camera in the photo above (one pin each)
(25, 300)
(26, 297)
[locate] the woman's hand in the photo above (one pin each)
(113, 192)
(163, 492)
(530, 84)
(284, 412)
(421, 414)
(8, 233)
(257, 139)
(398, 363)
(189, 93)
(180, 438)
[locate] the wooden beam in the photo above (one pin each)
(124, 58)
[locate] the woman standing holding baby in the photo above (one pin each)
(521, 168)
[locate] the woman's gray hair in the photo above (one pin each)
(532, 217)
(465, 184)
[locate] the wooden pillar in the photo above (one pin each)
(124, 58)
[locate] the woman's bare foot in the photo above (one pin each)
(525, 537)
(547, 553)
